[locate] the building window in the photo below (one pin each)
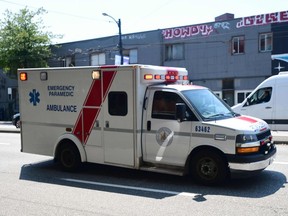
(218, 93)
(237, 45)
(69, 61)
(174, 52)
(118, 103)
(133, 56)
(130, 56)
(97, 59)
(241, 95)
(265, 42)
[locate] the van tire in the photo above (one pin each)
(18, 124)
(69, 157)
(208, 167)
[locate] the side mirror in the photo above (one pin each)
(180, 112)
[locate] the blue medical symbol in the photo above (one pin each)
(34, 97)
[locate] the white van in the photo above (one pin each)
(269, 101)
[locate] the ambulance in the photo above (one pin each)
(141, 117)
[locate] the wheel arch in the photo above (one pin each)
(69, 138)
(203, 148)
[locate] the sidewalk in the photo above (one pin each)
(278, 136)
(8, 127)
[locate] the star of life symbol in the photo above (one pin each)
(34, 97)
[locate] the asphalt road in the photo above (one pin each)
(34, 185)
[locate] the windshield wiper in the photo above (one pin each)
(220, 115)
(216, 115)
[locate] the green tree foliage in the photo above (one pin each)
(23, 41)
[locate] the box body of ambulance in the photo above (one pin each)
(141, 117)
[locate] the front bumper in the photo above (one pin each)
(251, 162)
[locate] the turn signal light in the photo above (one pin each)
(247, 150)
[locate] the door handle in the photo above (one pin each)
(268, 107)
(107, 124)
(148, 125)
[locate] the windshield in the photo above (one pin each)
(208, 105)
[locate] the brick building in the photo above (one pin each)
(231, 55)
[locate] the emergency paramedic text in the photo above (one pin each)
(61, 90)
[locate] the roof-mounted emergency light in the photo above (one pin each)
(43, 76)
(96, 75)
(166, 77)
(148, 77)
(23, 76)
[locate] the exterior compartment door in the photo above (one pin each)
(118, 116)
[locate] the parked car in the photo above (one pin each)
(16, 120)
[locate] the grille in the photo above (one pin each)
(264, 135)
(265, 143)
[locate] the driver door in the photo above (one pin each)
(166, 141)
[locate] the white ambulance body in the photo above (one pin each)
(138, 116)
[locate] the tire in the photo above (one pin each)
(17, 124)
(69, 157)
(208, 167)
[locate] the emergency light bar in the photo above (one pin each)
(166, 77)
(155, 74)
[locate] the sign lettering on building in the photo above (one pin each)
(207, 29)
(263, 19)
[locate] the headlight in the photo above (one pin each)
(247, 143)
(246, 138)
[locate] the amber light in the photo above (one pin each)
(247, 150)
(96, 75)
(23, 76)
(148, 76)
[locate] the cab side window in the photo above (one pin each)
(262, 95)
(164, 106)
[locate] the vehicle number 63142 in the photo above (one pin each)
(204, 129)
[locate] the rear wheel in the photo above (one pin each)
(208, 167)
(69, 157)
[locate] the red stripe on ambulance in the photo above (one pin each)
(92, 106)
(244, 118)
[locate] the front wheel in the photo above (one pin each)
(208, 167)
(69, 157)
